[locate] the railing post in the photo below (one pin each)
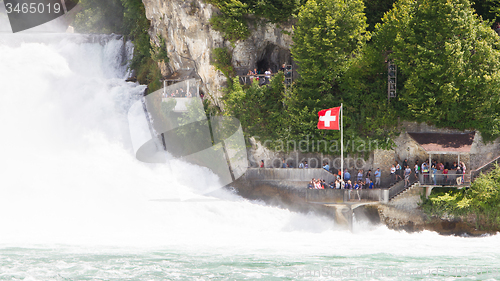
(384, 196)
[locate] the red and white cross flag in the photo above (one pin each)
(329, 119)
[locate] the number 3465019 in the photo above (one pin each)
(33, 8)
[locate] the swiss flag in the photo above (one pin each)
(329, 119)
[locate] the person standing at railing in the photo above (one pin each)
(348, 185)
(337, 184)
(399, 171)
(425, 172)
(326, 167)
(417, 169)
(407, 176)
(360, 175)
(311, 184)
(368, 178)
(377, 177)
(268, 75)
(434, 171)
(250, 75)
(347, 175)
(458, 177)
(462, 164)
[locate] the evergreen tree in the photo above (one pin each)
(451, 62)
(327, 36)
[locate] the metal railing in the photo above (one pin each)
(485, 168)
(248, 79)
(400, 186)
(450, 179)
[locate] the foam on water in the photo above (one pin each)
(68, 175)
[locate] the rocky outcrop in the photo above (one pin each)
(184, 24)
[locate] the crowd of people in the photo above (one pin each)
(262, 79)
(339, 184)
(435, 173)
(362, 181)
(179, 93)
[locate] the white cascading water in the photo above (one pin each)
(68, 175)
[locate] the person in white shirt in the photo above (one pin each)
(268, 74)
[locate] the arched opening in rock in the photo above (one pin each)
(273, 57)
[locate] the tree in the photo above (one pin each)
(451, 60)
(327, 36)
(375, 10)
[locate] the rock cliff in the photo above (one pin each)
(190, 40)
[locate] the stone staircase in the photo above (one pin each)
(409, 198)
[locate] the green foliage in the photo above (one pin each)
(488, 9)
(233, 28)
(483, 199)
(221, 59)
(481, 202)
(329, 34)
(259, 109)
(329, 41)
(444, 202)
(451, 62)
(375, 10)
(159, 53)
(100, 16)
(232, 21)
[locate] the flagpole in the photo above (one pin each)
(341, 142)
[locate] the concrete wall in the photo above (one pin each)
(288, 175)
(346, 195)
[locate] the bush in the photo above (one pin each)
(222, 60)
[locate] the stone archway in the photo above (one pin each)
(273, 57)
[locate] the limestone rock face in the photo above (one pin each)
(184, 24)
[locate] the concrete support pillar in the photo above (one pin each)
(428, 190)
